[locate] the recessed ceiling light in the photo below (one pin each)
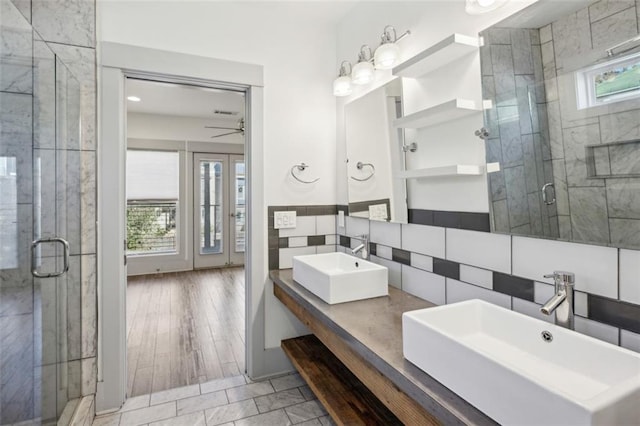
(134, 98)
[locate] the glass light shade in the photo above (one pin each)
(362, 73)
(386, 56)
(342, 86)
(477, 7)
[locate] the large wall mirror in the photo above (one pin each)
(565, 122)
(374, 155)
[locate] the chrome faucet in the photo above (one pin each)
(363, 248)
(562, 302)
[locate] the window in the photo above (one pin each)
(152, 202)
(613, 81)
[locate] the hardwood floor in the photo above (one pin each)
(184, 328)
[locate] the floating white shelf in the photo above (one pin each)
(451, 110)
(453, 170)
(448, 50)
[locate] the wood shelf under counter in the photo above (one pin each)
(366, 336)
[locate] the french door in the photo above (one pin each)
(219, 210)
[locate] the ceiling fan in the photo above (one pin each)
(235, 130)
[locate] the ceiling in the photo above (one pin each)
(184, 100)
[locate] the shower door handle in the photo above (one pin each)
(65, 254)
(544, 194)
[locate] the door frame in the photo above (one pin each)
(117, 62)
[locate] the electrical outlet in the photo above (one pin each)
(283, 220)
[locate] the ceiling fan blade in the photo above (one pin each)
(224, 128)
(226, 134)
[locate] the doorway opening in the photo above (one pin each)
(185, 216)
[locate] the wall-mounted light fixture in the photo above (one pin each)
(342, 84)
(363, 71)
(477, 7)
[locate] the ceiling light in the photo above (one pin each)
(477, 7)
(134, 98)
(363, 71)
(388, 53)
(342, 84)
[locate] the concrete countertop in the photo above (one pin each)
(373, 329)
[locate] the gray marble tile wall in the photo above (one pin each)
(589, 208)
(518, 126)
(44, 43)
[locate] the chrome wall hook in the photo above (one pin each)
(482, 133)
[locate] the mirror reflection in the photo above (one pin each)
(374, 155)
(564, 124)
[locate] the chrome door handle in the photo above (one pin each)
(232, 214)
(544, 194)
(65, 254)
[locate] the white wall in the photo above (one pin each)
(296, 45)
(429, 22)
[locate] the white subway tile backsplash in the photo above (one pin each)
(297, 241)
(596, 267)
(421, 261)
(457, 291)
(395, 270)
(385, 233)
(630, 340)
(330, 239)
(543, 292)
(597, 330)
(325, 225)
(424, 285)
(384, 252)
(531, 309)
(325, 249)
(305, 225)
(477, 276)
(630, 276)
(341, 249)
(286, 255)
(580, 304)
(481, 249)
(356, 226)
(423, 239)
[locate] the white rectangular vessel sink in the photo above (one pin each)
(499, 361)
(338, 277)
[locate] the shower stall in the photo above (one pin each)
(40, 235)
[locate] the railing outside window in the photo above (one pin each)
(151, 226)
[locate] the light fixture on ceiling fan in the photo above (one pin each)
(235, 130)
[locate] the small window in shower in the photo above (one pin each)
(613, 81)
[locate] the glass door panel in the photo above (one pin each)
(238, 216)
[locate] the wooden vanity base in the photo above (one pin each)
(346, 398)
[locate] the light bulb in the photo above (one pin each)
(477, 7)
(386, 56)
(342, 86)
(134, 98)
(362, 73)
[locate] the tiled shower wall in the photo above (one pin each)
(447, 265)
(591, 209)
(68, 29)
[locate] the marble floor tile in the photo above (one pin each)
(307, 393)
(222, 384)
(174, 394)
(287, 382)
(202, 402)
(278, 400)
(192, 419)
(231, 412)
(305, 411)
(249, 391)
(148, 414)
(136, 403)
(274, 418)
(107, 420)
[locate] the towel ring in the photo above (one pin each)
(301, 167)
(360, 165)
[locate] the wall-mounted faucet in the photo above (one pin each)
(562, 302)
(363, 248)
